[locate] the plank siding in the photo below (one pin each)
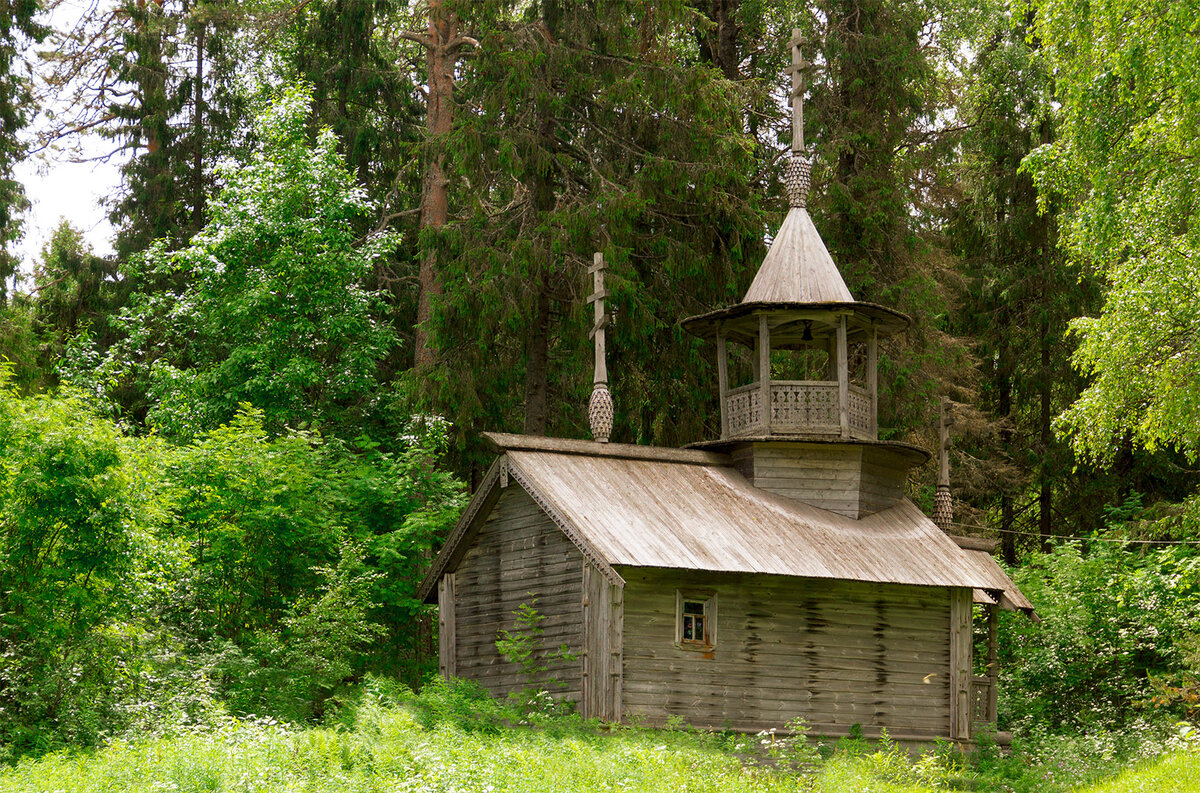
(518, 554)
(447, 651)
(837, 653)
(960, 664)
(824, 476)
(855, 480)
(602, 643)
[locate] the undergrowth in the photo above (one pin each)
(451, 737)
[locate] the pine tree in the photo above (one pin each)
(1018, 292)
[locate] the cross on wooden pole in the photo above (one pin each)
(600, 406)
(798, 70)
(596, 271)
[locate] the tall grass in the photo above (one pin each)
(449, 739)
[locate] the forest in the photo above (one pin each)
(352, 235)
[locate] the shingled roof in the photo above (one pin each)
(798, 267)
(639, 506)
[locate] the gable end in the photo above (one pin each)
(567, 526)
(477, 511)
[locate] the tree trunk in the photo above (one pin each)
(198, 135)
(537, 368)
(153, 78)
(542, 188)
(719, 44)
(1045, 496)
(1008, 540)
(440, 59)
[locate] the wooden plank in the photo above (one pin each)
(447, 647)
(723, 381)
(843, 353)
(880, 656)
(464, 532)
(616, 660)
(873, 377)
(594, 678)
(603, 654)
(517, 551)
(993, 663)
(960, 664)
(641, 513)
(501, 442)
(764, 369)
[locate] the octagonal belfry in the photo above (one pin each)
(804, 353)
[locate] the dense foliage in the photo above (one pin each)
(1117, 634)
(144, 581)
(1128, 157)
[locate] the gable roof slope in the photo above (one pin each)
(688, 511)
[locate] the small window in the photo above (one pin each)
(695, 620)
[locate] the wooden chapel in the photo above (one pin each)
(778, 571)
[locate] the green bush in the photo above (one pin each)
(71, 515)
(1114, 620)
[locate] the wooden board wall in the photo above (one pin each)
(837, 653)
(826, 476)
(603, 617)
(884, 477)
(850, 479)
(960, 664)
(517, 556)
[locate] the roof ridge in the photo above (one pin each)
(503, 441)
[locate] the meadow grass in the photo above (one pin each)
(1177, 772)
(451, 741)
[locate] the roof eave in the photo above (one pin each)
(888, 321)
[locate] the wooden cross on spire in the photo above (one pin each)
(798, 70)
(596, 271)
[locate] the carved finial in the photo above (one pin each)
(797, 176)
(943, 503)
(600, 406)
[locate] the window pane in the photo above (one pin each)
(699, 628)
(688, 630)
(693, 607)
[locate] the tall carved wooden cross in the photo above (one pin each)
(600, 406)
(798, 69)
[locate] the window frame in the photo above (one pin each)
(709, 599)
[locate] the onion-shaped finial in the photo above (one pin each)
(600, 413)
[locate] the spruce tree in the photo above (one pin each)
(18, 29)
(590, 129)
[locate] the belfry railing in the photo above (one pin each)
(799, 407)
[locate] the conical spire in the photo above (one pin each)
(798, 267)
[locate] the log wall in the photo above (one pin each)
(824, 475)
(517, 556)
(837, 653)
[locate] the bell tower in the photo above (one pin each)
(799, 410)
